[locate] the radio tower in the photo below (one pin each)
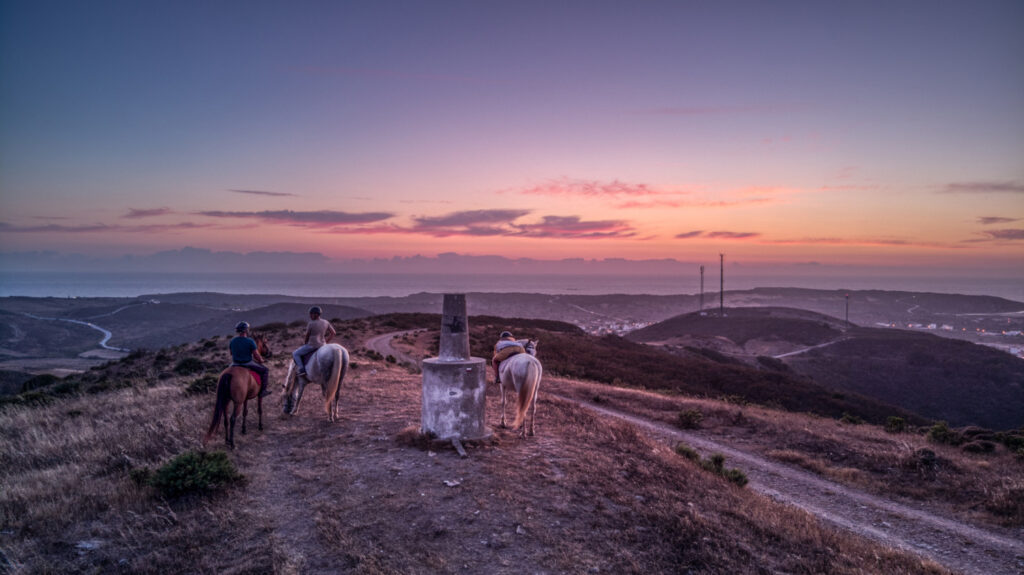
(721, 285)
(702, 289)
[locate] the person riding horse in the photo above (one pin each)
(506, 347)
(244, 353)
(318, 332)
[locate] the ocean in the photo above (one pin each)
(77, 284)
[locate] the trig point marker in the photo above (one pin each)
(453, 382)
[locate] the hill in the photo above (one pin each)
(957, 381)
(938, 378)
(601, 497)
(617, 361)
(752, 330)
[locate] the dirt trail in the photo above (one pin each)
(955, 544)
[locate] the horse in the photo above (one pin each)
(523, 371)
(237, 384)
(326, 366)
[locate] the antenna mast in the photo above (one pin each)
(721, 285)
(701, 288)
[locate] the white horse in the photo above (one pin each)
(523, 371)
(326, 366)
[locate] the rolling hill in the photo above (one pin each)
(938, 378)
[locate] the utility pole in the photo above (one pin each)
(721, 285)
(847, 310)
(702, 289)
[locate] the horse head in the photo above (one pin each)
(261, 344)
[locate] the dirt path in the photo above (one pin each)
(957, 545)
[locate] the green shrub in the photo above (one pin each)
(895, 424)
(851, 419)
(272, 326)
(714, 464)
(41, 380)
(687, 452)
(195, 472)
(979, 446)
(390, 359)
(189, 366)
(690, 419)
(204, 384)
(941, 433)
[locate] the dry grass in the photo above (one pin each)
(981, 488)
(586, 495)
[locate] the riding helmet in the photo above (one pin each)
(242, 326)
(316, 309)
(505, 334)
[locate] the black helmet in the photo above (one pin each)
(242, 326)
(505, 334)
(316, 309)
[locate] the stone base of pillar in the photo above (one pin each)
(453, 398)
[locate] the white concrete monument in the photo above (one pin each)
(453, 382)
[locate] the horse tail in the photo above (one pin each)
(223, 396)
(527, 391)
(339, 366)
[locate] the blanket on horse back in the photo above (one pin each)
(506, 349)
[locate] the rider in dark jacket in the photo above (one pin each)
(244, 353)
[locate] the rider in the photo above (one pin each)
(506, 347)
(318, 332)
(244, 353)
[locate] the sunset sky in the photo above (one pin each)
(840, 133)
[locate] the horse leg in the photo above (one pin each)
(533, 411)
(259, 411)
(301, 385)
(231, 431)
(501, 390)
(245, 413)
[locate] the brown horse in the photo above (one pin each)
(237, 385)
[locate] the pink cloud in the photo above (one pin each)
(314, 219)
(134, 213)
(984, 187)
(592, 189)
(263, 193)
(575, 228)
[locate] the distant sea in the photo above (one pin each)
(60, 284)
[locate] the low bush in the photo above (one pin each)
(979, 446)
(195, 472)
(204, 384)
(941, 433)
(690, 418)
(715, 464)
(851, 419)
(895, 424)
(687, 452)
(188, 366)
(38, 381)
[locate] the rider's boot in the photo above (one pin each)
(263, 389)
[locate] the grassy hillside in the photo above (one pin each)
(600, 498)
(617, 361)
(744, 324)
(961, 382)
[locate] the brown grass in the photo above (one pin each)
(585, 495)
(981, 488)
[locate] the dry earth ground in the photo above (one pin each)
(590, 494)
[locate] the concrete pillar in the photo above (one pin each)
(454, 383)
